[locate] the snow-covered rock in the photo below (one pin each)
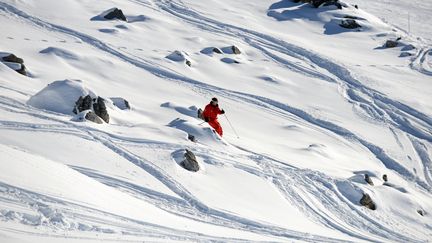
(60, 96)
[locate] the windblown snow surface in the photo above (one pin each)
(315, 107)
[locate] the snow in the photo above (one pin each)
(316, 107)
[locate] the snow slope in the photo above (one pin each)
(315, 106)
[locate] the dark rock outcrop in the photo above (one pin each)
(190, 163)
(189, 63)
(14, 63)
(87, 103)
(368, 180)
(82, 104)
(235, 50)
(91, 116)
(319, 3)
(391, 43)
(349, 24)
(366, 201)
(192, 138)
(116, 14)
(421, 212)
(217, 50)
(99, 108)
(13, 58)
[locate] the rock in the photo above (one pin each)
(91, 116)
(116, 14)
(82, 104)
(190, 163)
(121, 103)
(349, 24)
(13, 58)
(235, 50)
(199, 114)
(318, 3)
(22, 70)
(99, 108)
(14, 62)
(192, 138)
(368, 180)
(421, 212)
(217, 50)
(366, 201)
(87, 103)
(179, 56)
(385, 177)
(391, 44)
(19, 68)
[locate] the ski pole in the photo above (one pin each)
(231, 126)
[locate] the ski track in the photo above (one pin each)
(420, 62)
(219, 217)
(190, 207)
(76, 212)
(397, 111)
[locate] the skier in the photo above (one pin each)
(210, 114)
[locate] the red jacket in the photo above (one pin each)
(211, 112)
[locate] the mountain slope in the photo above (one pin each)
(315, 106)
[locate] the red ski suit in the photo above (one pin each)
(211, 112)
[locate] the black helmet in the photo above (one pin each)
(214, 99)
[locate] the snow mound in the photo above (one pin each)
(202, 132)
(61, 53)
(60, 96)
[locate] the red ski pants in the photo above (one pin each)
(216, 125)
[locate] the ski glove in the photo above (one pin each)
(222, 112)
(206, 119)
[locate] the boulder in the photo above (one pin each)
(99, 108)
(190, 163)
(180, 56)
(115, 14)
(319, 3)
(12, 58)
(87, 103)
(189, 63)
(217, 50)
(235, 50)
(349, 24)
(192, 138)
(421, 212)
(91, 116)
(13, 62)
(366, 201)
(368, 180)
(82, 104)
(391, 43)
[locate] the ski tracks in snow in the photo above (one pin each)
(395, 113)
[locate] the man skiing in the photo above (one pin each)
(210, 114)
